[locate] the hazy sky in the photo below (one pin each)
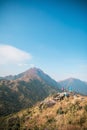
(47, 34)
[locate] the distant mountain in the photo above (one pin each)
(76, 84)
(24, 90)
(32, 73)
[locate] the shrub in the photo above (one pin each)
(14, 123)
(82, 120)
(50, 120)
(74, 107)
(85, 107)
(36, 127)
(60, 111)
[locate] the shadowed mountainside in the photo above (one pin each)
(28, 88)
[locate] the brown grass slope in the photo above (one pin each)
(65, 114)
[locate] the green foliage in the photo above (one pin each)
(85, 107)
(14, 123)
(74, 107)
(50, 120)
(60, 111)
(36, 127)
(82, 120)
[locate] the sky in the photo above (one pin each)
(47, 34)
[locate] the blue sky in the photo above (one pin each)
(47, 34)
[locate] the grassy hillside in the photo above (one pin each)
(65, 114)
(15, 96)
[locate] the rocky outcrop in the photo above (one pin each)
(60, 96)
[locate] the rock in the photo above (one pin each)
(50, 103)
(47, 103)
(59, 96)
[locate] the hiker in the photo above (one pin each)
(70, 89)
(63, 89)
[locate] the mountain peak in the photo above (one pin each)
(33, 70)
(33, 74)
(36, 73)
(29, 74)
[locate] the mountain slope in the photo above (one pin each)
(76, 84)
(67, 114)
(28, 88)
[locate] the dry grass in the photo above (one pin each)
(73, 116)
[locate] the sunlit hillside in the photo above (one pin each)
(54, 113)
